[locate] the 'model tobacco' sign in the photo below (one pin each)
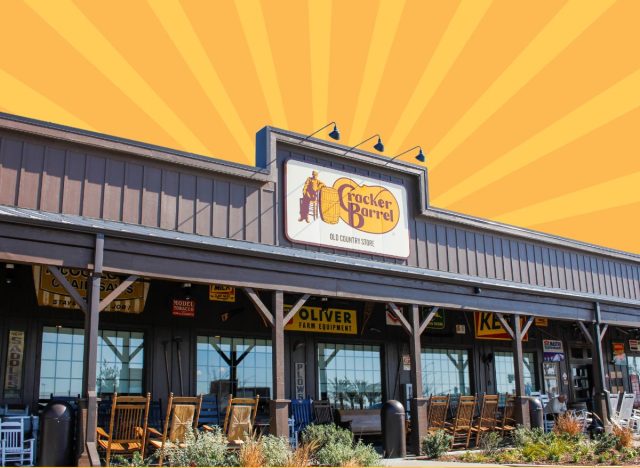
(346, 211)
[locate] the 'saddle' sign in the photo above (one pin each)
(488, 327)
(317, 319)
(15, 354)
(334, 209)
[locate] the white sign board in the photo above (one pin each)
(330, 208)
(301, 386)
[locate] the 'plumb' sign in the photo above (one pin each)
(317, 319)
(347, 211)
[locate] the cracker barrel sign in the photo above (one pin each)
(330, 208)
(318, 319)
(488, 327)
(51, 293)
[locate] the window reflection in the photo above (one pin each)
(445, 371)
(505, 375)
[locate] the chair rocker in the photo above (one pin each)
(182, 414)
(322, 412)
(14, 448)
(239, 419)
(507, 423)
(127, 426)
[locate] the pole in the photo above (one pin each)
(522, 404)
(178, 340)
(418, 402)
(279, 406)
(601, 399)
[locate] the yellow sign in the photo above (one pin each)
(222, 293)
(541, 322)
(51, 293)
(317, 319)
(488, 327)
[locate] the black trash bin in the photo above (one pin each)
(57, 423)
(393, 430)
(536, 413)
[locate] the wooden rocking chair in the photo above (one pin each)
(437, 418)
(127, 426)
(507, 424)
(460, 429)
(487, 418)
(182, 413)
(239, 419)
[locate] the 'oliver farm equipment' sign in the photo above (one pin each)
(318, 319)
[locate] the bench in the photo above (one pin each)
(361, 422)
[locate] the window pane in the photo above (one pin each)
(120, 361)
(241, 366)
(445, 371)
(505, 376)
(344, 380)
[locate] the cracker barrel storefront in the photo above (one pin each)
(322, 272)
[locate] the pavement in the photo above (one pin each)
(418, 462)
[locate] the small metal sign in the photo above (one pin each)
(221, 293)
(15, 355)
(300, 380)
(634, 346)
(183, 308)
(461, 329)
(552, 350)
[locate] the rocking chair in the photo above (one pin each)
(487, 418)
(239, 419)
(460, 429)
(182, 414)
(438, 406)
(127, 426)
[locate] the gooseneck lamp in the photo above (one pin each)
(420, 156)
(335, 133)
(378, 146)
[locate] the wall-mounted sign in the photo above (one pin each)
(619, 356)
(318, 319)
(15, 354)
(488, 327)
(552, 350)
(437, 322)
(346, 211)
(406, 362)
(461, 329)
(634, 346)
(51, 293)
(541, 322)
(183, 308)
(221, 293)
(300, 380)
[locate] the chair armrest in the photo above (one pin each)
(154, 432)
(101, 432)
(207, 428)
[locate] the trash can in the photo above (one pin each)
(536, 413)
(393, 430)
(56, 434)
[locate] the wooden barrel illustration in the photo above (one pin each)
(329, 205)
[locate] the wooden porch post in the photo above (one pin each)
(522, 404)
(279, 409)
(418, 402)
(601, 397)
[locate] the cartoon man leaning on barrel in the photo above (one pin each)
(309, 200)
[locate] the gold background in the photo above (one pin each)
(529, 111)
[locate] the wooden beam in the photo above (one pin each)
(585, 332)
(505, 325)
(73, 292)
(527, 325)
(427, 320)
(603, 331)
(113, 295)
(294, 310)
(259, 305)
(398, 313)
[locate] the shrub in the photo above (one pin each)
(605, 443)
(523, 436)
(365, 454)
(251, 453)
(276, 451)
(436, 444)
(624, 435)
(323, 434)
(490, 442)
(568, 424)
(333, 446)
(303, 455)
(136, 460)
(208, 449)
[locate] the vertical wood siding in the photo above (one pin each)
(55, 177)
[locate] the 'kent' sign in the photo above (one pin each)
(488, 327)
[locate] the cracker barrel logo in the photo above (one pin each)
(371, 209)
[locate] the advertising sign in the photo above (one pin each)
(221, 293)
(15, 354)
(437, 322)
(619, 356)
(346, 211)
(634, 346)
(317, 319)
(541, 322)
(300, 380)
(553, 350)
(51, 293)
(488, 327)
(183, 308)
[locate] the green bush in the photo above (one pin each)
(490, 442)
(605, 443)
(365, 454)
(136, 460)
(208, 449)
(323, 434)
(276, 450)
(334, 446)
(523, 436)
(436, 444)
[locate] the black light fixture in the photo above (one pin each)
(379, 146)
(420, 157)
(9, 275)
(335, 133)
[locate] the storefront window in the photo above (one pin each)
(350, 375)
(505, 375)
(119, 364)
(445, 371)
(241, 366)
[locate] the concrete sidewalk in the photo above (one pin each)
(418, 462)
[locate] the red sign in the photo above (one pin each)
(183, 308)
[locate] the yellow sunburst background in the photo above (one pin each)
(530, 111)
